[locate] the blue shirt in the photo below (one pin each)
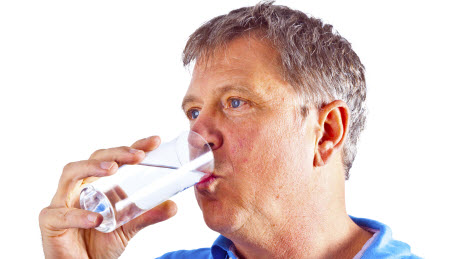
(381, 245)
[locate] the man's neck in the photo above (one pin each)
(339, 239)
(310, 228)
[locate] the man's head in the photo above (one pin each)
(316, 61)
(266, 93)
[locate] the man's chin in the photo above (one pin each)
(217, 218)
(222, 225)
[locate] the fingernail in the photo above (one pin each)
(106, 165)
(133, 151)
(92, 218)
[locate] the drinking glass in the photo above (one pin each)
(134, 189)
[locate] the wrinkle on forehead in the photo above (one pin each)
(245, 58)
(237, 51)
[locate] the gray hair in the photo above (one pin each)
(319, 64)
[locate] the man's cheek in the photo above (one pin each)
(242, 141)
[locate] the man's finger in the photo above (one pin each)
(122, 155)
(76, 171)
(147, 144)
(160, 213)
(56, 220)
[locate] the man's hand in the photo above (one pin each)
(68, 232)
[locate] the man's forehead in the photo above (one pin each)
(245, 62)
(248, 49)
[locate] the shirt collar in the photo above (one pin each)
(221, 249)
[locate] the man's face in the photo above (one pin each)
(263, 151)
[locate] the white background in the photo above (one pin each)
(83, 75)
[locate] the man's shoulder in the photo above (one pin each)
(196, 253)
(219, 249)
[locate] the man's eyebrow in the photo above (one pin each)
(189, 99)
(236, 88)
(221, 91)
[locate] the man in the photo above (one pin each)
(280, 98)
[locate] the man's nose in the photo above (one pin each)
(207, 126)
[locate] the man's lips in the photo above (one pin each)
(205, 178)
(205, 181)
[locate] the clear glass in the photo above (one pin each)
(135, 189)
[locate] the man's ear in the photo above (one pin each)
(333, 120)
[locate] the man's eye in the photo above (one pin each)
(192, 114)
(235, 103)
